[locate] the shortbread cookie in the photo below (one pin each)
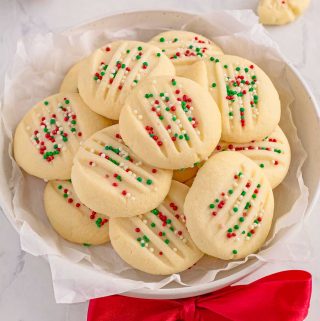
(72, 219)
(70, 81)
(110, 179)
(248, 101)
(111, 72)
(280, 12)
(185, 47)
(170, 122)
(49, 135)
(229, 207)
(157, 242)
(272, 154)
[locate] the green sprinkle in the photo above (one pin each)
(172, 228)
(161, 117)
(139, 179)
(128, 51)
(139, 48)
(246, 69)
(59, 186)
(138, 57)
(158, 54)
(161, 39)
(238, 69)
(241, 219)
(73, 129)
(213, 85)
(149, 182)
(235, 209)
(234, 252)
(230, 191)
(211, 58)
(212, 206)
(249, 234)
(261, 165)
(258, 186)
(173, 82)
(46, 102)
(153, 224)
(225, 66)
(99, 221)
(86, 244)
(123, 66)
(254, 196)
(174, 118)
(243, 193)
(216, 200)
(67, 101)
(166, 241)
(230, 230)
(236, 227)
(217, 60)
(52, 121)
(155, 211)
(168, 221)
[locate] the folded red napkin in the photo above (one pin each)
(283, 296)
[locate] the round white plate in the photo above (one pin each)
(305, 115)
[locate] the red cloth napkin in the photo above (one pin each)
(283, 296)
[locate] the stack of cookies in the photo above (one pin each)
(168, 149)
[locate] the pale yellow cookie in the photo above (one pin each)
(49, 135)
(70, 81)
(107, 77)
(280, 12)
(157, 242)
(170, 122)
(229, 207)
(110, 179)
(248, 101)
(72, 219)
(184, 48)
(272, 154)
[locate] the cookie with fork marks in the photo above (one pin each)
(170, 122)
(50, 133)
(248, 101)
(109, 178)
(229, 207)
(107, 76)
(71, 219)
(157, 242)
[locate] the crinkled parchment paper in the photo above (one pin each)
(81, 273)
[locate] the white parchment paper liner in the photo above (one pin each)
(81, 273)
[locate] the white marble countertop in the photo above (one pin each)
(26, 292)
